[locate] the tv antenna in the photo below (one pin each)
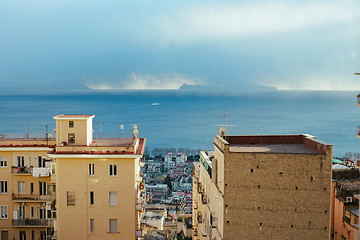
(223, 127)
(122, 128)
(27, 129)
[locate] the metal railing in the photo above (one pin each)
(30, 222)
(28, 197)
(21, 170)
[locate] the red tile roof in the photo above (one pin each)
(73, 116)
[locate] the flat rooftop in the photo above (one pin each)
(291, 144)
(275, 148)
(109, 142)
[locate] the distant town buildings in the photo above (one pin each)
(263, 187)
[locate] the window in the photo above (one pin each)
(42, 235)
(31, 188)
(91, 198)
(92, 226)
(49, 215)
(22, 235)
(21, 211)
(41, 161)
(112, 170)
(91, 169)
(4, 235)
(113, 226)
(112, 198)
(71, 124)
(20, 161)
(3, 161)
(32, 235)
(32, 216)
(71, 138)
(21, 187)
(42, 212)
(42, 188)
(3, 187)
(3, 212)
(70, 198)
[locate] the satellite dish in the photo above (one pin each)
(50, 136)
(222, 131)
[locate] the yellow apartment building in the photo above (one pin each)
(99, 188)
(26, 192)
(263, 187)
(74, 187)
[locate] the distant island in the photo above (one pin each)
(208, 88)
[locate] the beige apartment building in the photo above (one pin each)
(263, 187)
(26, 192)
(77, 187)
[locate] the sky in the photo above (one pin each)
(67, 45)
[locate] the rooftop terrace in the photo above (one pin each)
(295, 144)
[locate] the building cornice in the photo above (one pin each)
(24, 149)
(112, 156)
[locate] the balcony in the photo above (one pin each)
(41, 172)
(22, 170)
(30, 222)
(28, 197)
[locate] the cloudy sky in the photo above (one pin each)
(67, 45)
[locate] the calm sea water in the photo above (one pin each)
(188, 120)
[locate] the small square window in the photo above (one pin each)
(71, 124)
(71, 138)
(92, 226)
(91, 169)
(3, 161)
(92, 200)
(112, 225)
(112, 170)
(4, 212)
(113, 199)
(70, 198)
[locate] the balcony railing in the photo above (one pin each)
(22, 170)
(30, 222)
(28, 197)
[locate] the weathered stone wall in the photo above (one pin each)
(277, 196)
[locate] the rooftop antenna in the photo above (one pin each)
(27, 129)
(47, 135)
(122, 128)
(100, 128)
(223, 130)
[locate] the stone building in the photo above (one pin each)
(263, 187)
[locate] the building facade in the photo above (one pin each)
(26, 194)
(74, 187)
(263, 187)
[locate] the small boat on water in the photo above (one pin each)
(155, 104)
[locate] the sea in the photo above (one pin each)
(176, 119)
